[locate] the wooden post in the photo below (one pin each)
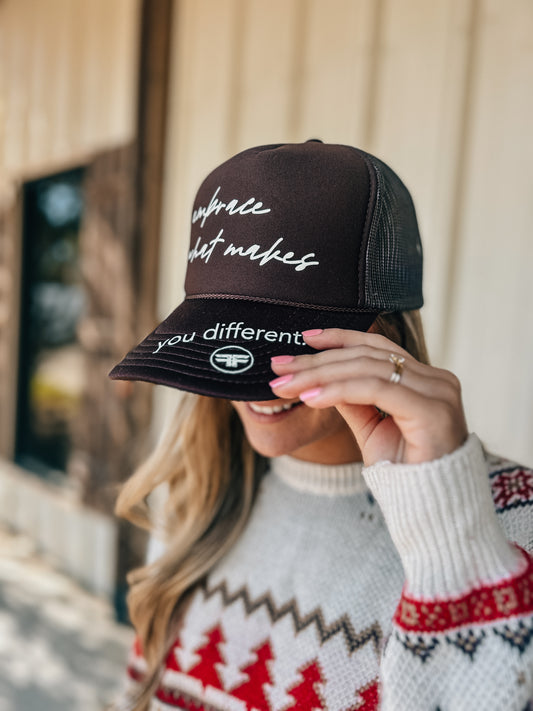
(10, 261)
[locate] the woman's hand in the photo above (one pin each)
(352, 372)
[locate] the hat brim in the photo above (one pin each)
(222, 347)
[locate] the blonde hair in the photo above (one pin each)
(211, 474)
(405, 329)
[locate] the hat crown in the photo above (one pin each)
(306, 224)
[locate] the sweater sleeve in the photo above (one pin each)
(462, 635)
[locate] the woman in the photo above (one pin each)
(369, 568)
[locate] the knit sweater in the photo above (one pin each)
(391, 587)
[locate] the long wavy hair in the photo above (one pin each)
(211, 475)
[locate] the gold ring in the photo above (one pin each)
(398, 363)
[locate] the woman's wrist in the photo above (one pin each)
(441, 518)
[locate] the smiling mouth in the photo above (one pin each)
(274, 409)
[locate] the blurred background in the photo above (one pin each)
(111, 113)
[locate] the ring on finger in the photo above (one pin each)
(398, 363)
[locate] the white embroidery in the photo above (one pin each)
(205, 250)
(248, 207)
(231, 359)
(180, 338)
(269, 254)
(235, 331)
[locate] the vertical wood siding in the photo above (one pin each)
(443, 92)
(68, 71)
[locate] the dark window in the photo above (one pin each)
(51, 370)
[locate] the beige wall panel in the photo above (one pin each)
(123, 49)
(23, 47)
(13, 62)
(51, 52)
(36, 33)
(89, 67)
(3, 87)
(69, 81)
(109, 70)
(491, 297)
(199, 124)
(421, 78)
(57, 100)
(271, 43)
(336, 70)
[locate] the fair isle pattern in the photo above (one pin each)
(285, 623)
(202, 687)
(202, 673)
(518, 634)
(205, 685)
(368, 700)
(325, 631)
(474, 650)
(485, 604)
(512, 487)
(240, 650)
(170, 701)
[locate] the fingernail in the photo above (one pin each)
(312, 332)
(310, 394)
(282, 360)
(280, 381)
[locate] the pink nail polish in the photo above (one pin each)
(310, 394)
(282, 360)
(312, 332)
(277, 382)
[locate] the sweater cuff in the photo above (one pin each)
(441, 517)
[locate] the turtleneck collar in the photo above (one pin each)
(319, 479)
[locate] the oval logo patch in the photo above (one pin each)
(231, 359)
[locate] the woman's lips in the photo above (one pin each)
(271, 413)
(272, 409)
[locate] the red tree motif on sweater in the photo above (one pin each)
(370, 698)
(252, 691)
(209, 655)
(305, 693)
(171, 661)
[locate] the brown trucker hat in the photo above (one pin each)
(284, 238)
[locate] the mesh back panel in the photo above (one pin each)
(393, 278)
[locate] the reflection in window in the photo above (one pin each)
(51, 374)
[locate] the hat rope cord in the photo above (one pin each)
(279, 302)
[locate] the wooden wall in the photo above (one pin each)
(443, 92)
(68, 91)
(68, 73)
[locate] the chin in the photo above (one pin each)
(279, 427)
(275, 427)
(272, 448)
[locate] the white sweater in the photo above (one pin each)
(330, 600)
